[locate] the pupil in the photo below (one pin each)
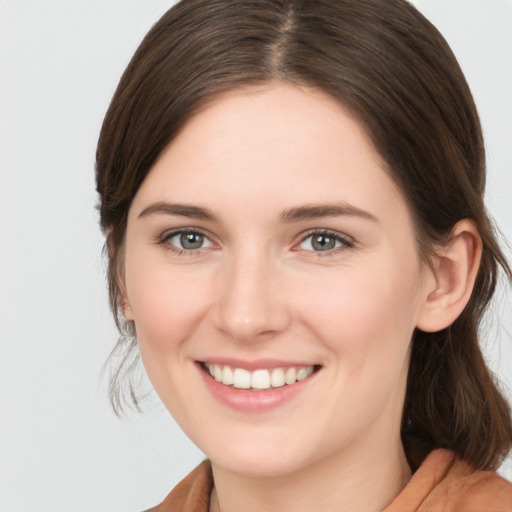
(323, 243)
(191, 240)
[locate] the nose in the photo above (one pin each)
(251, 305)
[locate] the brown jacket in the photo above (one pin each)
(443, 483)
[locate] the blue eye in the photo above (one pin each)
(325, 241)
(185, 241)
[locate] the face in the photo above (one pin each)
(274, 281)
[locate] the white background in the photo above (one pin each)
(61, 448)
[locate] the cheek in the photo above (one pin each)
(366, 321)
(167, 303)
(365, 315)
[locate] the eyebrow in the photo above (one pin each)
(318, 211)
(290, 215)
(183, 210)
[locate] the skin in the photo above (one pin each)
(257, 289)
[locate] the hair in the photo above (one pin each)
(391, 68)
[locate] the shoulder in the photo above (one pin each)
(192, 494)
(446, 483)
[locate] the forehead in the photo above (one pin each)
(280, 145)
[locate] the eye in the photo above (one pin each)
(325, 241)
(186, 241)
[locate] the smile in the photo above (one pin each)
(260, 379)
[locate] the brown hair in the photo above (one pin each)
(393, 70)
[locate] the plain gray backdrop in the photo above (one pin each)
(61, 447)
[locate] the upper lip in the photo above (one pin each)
(255, 364)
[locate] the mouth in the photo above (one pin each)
(259, 379)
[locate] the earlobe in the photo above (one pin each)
(127, 312)
(125, 303)
(455, 270)
(116, 255)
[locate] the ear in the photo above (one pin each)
(125, 302)
(455, 269)
(127, 310)
(116, 267)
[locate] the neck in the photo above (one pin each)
(366, 480)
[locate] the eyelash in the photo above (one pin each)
(164, 240)
(345, 241)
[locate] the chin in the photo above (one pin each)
(258, 458)
(259, 467)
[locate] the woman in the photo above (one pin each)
(292, 194)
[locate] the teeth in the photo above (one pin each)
(258, 379)
(291, 376)
(217, 373)
(302, 373)
(227, 376)
(242, 379)
(277, 379)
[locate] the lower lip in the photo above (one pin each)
(254, 401)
